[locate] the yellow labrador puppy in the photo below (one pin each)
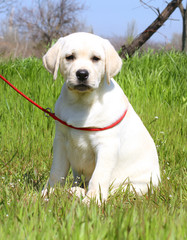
(112, 146)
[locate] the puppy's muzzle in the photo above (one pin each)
(82, 84)
(82, 75)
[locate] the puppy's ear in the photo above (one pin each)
(51, 59)
(113, 62)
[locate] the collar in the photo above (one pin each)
(90, 129)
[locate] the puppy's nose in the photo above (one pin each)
(82, 74)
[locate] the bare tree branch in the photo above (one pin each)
(145, 35)
(49, 20)
(5, 5)
(155, 10)
(182, 10)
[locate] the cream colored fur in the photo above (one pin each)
(121, 155)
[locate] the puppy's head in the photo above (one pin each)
(84, 60)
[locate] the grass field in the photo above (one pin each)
(156, 85)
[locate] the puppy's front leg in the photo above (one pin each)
(59, 168)
(100, 181)
(60, 165)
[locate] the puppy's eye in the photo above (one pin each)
(95, 59)
(70, 58)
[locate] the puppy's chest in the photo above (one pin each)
(80, 149)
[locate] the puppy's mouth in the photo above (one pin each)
(81, 88)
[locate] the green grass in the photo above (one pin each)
(156, 86)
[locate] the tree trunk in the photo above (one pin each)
(184, 27)
(185, 31)
(144, 36)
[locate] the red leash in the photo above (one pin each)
(58, 119)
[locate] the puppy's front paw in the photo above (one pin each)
(78, 191)
(46, 193)
(92, 195)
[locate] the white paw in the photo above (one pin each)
(78, 191)
(46, 193)
(92, 195)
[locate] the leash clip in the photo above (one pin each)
(49, 111)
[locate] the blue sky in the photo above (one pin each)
(111, 17)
